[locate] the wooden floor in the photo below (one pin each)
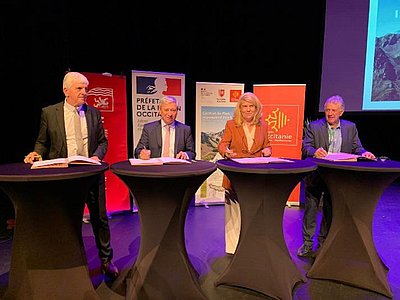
(204, 233)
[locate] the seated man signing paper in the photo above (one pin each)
(166, 137)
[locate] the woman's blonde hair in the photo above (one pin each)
(252, 99)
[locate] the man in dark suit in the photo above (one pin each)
(166, 137)
(330, 134)
(71, 127)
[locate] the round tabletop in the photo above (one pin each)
(362, 166)
(296, 166)
(22, 172)
(196, 168)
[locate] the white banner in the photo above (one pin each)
(147, 89)
(215, 103)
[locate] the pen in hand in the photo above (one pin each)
(229, 153)
(320, 152)
(145, 153)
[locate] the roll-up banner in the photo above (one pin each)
(283, 110)
(215, 103)
(108, 93)
(148, 88)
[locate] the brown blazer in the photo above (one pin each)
(234, 138)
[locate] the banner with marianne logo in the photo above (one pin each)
(283, 110)
(108, 94)
(215, 103)
(147, 89)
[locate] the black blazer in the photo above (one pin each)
(51, 141)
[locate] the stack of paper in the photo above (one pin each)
(261, 160)
(158, 161)
(341, 157)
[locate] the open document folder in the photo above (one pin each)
(158, 161)
(64, 162)
(340, 156)
(261, 160)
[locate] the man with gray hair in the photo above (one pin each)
(323, 136)
(71, 127)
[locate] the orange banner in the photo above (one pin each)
(283, 110)
(108, 94)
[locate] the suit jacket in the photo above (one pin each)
(52, 143)
(316, 136)
(234, 138)
(151, 139)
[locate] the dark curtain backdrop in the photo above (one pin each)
(217, 41)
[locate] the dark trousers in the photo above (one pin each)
(6, 213)
(316, 191)
(96, 204)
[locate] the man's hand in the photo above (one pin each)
(320, 152)
(96, 158)
(368, 155)
(182, 155)
(32, 157)
(145, 154)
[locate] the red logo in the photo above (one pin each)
(174, 87)
(101, 98)
(221, 92)
(235, 95)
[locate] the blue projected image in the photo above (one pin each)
(382, 68)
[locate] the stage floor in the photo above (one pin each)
(204, 234)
